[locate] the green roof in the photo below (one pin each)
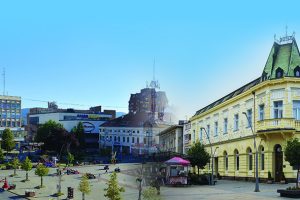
(284, 56)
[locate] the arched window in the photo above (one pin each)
(297, 71)
(262, 158)
(226, 161)
(250, 159)
(237, 160)
(279, 73)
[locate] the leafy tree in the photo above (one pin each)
(70, 158)
(15, 163)
(198, 156)
(150, 194)
(113, 191)
(84, 186)
(292, 155)
(79, 134)
(1, 156)
(27, 166)
(45, 130)
(8, 142)
(41, 171)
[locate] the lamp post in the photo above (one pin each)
(211, 153)
(256, 155)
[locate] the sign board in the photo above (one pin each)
(88, 127)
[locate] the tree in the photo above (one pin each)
(79, 134)
(70, 158)
(292, 155)
(15, 163)
(1, 156)
(27, 166)
(41, 171)
(113, 191)
(198, 156)
(45, 130)
(150, 194)
(8, 142)
(84, 186)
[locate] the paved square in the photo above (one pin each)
(224, 189)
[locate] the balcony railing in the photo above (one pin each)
(273, 124)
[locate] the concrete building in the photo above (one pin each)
(270, 105)
(10, 116)
(70, 118)
(171, 139)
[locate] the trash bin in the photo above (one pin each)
(70, 193)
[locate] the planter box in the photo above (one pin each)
(289, 193)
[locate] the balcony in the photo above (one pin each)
(278, 124)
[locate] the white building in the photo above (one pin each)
(131, 134)
(70, 118)
(171, 139)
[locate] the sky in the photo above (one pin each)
(87, 53)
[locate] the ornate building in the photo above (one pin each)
(268, 108)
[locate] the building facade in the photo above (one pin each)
(171, 139)
(131, 134)
(69, 118)
(10, 116)
(267, 108)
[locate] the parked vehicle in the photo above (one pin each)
(90, 176)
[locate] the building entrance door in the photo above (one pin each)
(278, 162)
(216, 163)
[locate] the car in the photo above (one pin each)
(90, 176)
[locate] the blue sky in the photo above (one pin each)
(98, 52)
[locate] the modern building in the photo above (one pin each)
(70, 118)
(171, 139)
(268, 105)
(10, 116)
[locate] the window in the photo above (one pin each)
(249, 115)
(237, 160)
(225, 125)
(226, 161)
(132, 139)
(236, 122)
(216, 129)
(123, 139)
(250, 159)
(261, 110)
(138, 140)
(279, 73)
(201, 134)
(278, 109)
(115, 138)
(194, 136)
(208, 131)
(127, 139)
(118, 138)
(110, 137)
(296, 110)
(297, 71)
(262, 158)
(145, 141)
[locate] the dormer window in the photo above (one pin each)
(297, 71)
(279, 73)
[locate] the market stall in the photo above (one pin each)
(177, 171)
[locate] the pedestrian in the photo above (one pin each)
(99, 177)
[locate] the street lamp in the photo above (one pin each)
(211, 153)
(256, 155)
